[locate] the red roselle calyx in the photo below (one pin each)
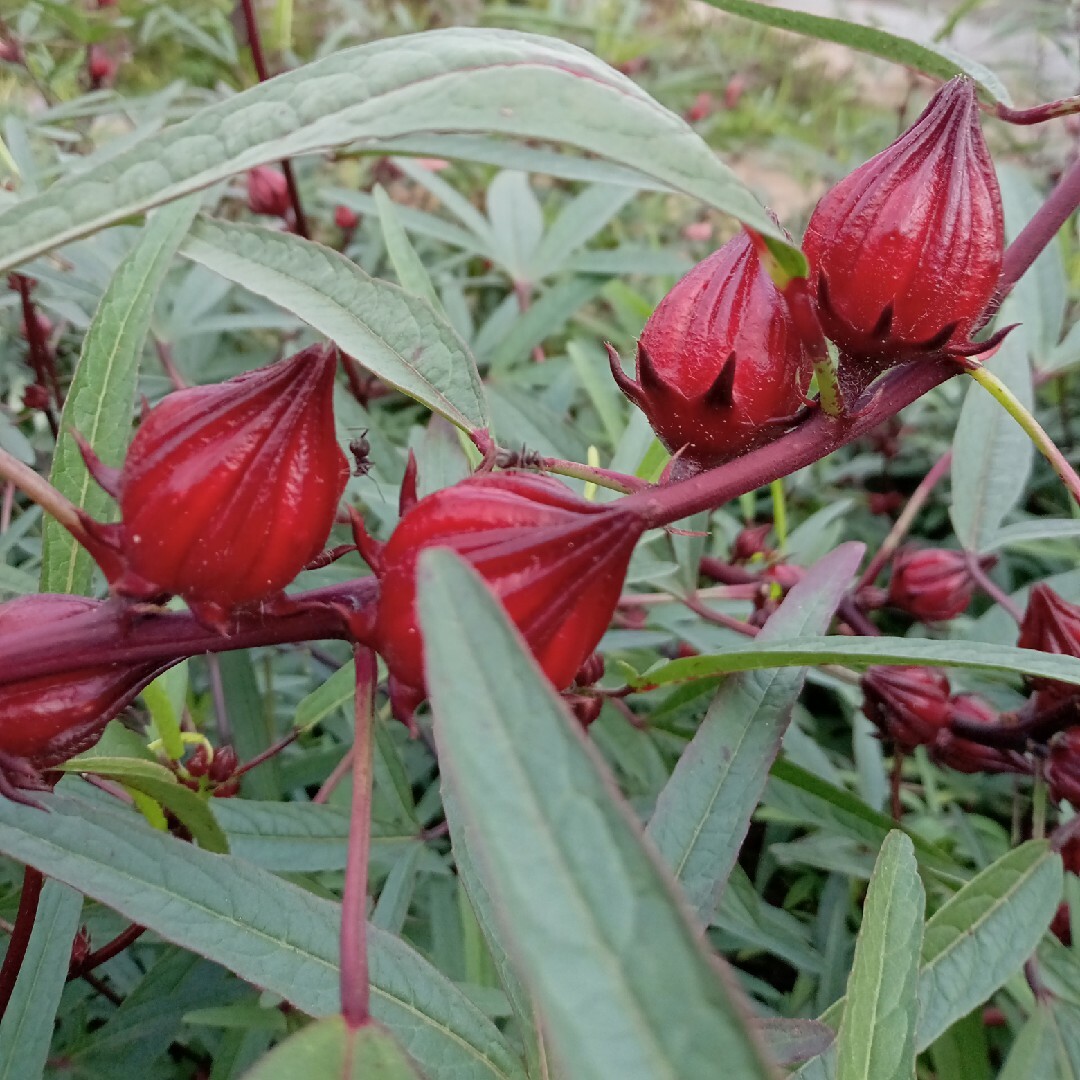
(1062, 767)
(1051, 625)
(228, 490)
(967, 756)
(50, 718)
(908, 705)
(721, 367)
(268, 191)
(906, 252)
(556, 561)
(932, 584)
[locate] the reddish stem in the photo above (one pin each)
(1038, 114)
(355, 986)
(812, 440)
(258, 58)
(268, 753)
(905, 520)
(41, 360)
(20, 934)
(122, 941)
(991, 588)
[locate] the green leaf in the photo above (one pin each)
(975, 942)
(933, 58)
(1035, 1050)
(163, 787)
(102, 394)
(1027, 532)
(703, 813)
(394, 334)
(266, 930)
(408, 266)
(26, 1030)
(329, 1050)
(992, 455)
(877, 1034)
(975, 655)
(459, 80)
(329, 696)
(591, 921)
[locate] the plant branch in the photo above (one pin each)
(904, 521)
(1032, 428)
(1037, 114)
(41, 360)
(39, 490)
(258, 58)
(355, 987)
(20, 934)
(122, 941)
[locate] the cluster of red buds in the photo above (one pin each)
(905, 255)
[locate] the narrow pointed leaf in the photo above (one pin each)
(860, 652)
(461, 80)
(931, 56)
(99, 403)
(590, 918)
(877, 1034)
(398, 336)
(266, 930)
(704, 811)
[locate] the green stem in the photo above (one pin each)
(779, 507)
(829, 395)
(1032, 428)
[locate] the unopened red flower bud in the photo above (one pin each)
(225, 763)
(100, 66)
(36, 396)
(906, 252)
(267, 191)
(932, 584)
(721, 368)
(199, 762)
(908, 705)
(585, 707)
(556, 561)
(703, 107)
(1051, 625)
(80, 949)
(750, 542)
(1062, 767)
(228, 490)
(968, 756)
(10, 52)
(50, 718)
(346, 219)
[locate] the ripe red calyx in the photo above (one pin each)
(906, 252)
(932, 584)
(967, 756)
(721, 367)
(1062, 767)
(1051, 625)
(49, 718)
(908, 705)
(556, 561)
(228, 490)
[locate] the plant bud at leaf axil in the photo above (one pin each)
(908, 705)
(905, 253)
(47, 719)
(554, 560)
(1051, 625)
(931, 584)
(721, 368)
(228, 490)
(268, 191)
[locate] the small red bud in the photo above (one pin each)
(80, 949)
(734, 90)
(50, 718)
(100, 66)
(702, 109)
(591, 672)
(36, 396)
(908, 705)
(345, 219)
(905, 253)
(225, 763)
(44, 326)
(10, 52)
(721, 368)
(199, 762)
(1051, 625)
(932, 584)
(585, 707)
(228, 789)
(967, 756)
(751, 542)
(267, 191)
(884, 503)
(556, 562)
(1062, 767)
(228, 490)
